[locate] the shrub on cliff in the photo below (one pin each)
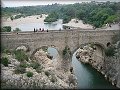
(38, 67)
(110, 51)
(34, 65)
(29, 74)
(7, 51)
(47, 73)
(20, 55)
(66, 52)
(23, 64)
(20, 70)
(4, 61)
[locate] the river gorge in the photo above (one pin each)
(87, 76)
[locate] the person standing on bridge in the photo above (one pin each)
(34, 29)
(47, 30)
(42, 29)
(39, 29)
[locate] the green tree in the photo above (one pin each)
(52, 17)
(111, 19)
(16, 30)
(6, 29)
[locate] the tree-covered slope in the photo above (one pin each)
(94, 13)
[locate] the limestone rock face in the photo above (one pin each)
(47, 77)
(84, 54)
(41, 58)
(108, 66)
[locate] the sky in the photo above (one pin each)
(16, 3)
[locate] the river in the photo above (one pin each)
(54, 26)
(29, 23)
(30, 26)
(87, 77)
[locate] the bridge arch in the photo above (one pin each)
(100, 45)
(45, 48)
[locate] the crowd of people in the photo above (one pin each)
(40, 29)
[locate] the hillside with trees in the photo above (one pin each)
(95, 13)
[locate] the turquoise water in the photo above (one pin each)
(87, 77)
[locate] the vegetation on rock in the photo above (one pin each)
(20, 55)
(47, 73)
(23, 64)
(7, 51)
(66, 52)
(29, 74)
(20, 70)
(4, 61)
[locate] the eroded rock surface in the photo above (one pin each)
(108, 66)
(44, 77)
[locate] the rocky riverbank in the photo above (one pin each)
(108, 66)
(38, 73)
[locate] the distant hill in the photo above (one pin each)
(96, 14)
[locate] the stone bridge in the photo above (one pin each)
(57, 39)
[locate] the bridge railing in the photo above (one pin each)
(60, 31)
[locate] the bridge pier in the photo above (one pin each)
(65, 59)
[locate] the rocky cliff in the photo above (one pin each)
(38, 73)
(108, 66)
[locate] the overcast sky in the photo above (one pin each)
(16, 3)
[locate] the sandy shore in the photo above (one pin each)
(29, 19)
(79, 24)
(33, 19)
